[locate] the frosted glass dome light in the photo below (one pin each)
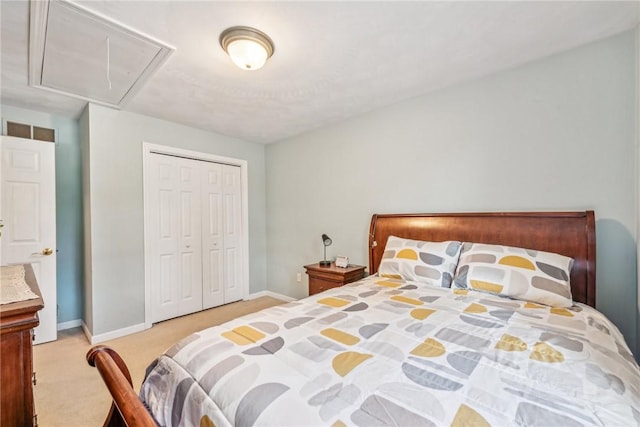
(248, 48)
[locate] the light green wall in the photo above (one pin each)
(637, 116)
(555, 134)
(87, 313)
(116, 207)
(559, 133)
(69, 265)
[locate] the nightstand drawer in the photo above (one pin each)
(318, 285)
(324, 278)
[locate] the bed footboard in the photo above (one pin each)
(126, 408)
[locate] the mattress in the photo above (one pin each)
(391, 352)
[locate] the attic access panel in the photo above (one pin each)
(79, 53)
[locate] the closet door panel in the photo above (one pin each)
(232, 190)
(190, 244)
(212, 236)
(164, 227)
(176, 255)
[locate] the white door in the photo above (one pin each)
(28, 212)
(222, 234)
(212, 236)
(175, 225)
(232, 217)
(195, 257)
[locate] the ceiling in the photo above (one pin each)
(333, 60)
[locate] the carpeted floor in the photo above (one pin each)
(71, 393)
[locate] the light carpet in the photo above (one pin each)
(71, 393)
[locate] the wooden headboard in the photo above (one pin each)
(568, 233)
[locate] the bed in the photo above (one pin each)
(447, 329)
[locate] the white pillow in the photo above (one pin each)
(525, 274)
(420, 261)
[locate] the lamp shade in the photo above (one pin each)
(326, 240)
(247, 47)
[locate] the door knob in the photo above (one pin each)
(44, 252)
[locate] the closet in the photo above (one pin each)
(194, 248)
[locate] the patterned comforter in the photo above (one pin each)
(390, 352)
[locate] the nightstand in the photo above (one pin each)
(323, 278)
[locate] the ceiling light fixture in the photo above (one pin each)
(248, 48)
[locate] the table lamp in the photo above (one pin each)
(326, 241)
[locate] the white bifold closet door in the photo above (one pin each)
(195, 221)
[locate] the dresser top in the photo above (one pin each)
(22, 311)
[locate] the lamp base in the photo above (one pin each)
(324, 263)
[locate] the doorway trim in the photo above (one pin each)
(150, 148)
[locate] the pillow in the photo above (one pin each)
(525, 274)
(428, 262)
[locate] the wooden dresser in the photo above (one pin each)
(323, 278)
(17, 321)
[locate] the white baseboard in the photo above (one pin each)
(270, 294)
(70, 324)
(96, 339)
